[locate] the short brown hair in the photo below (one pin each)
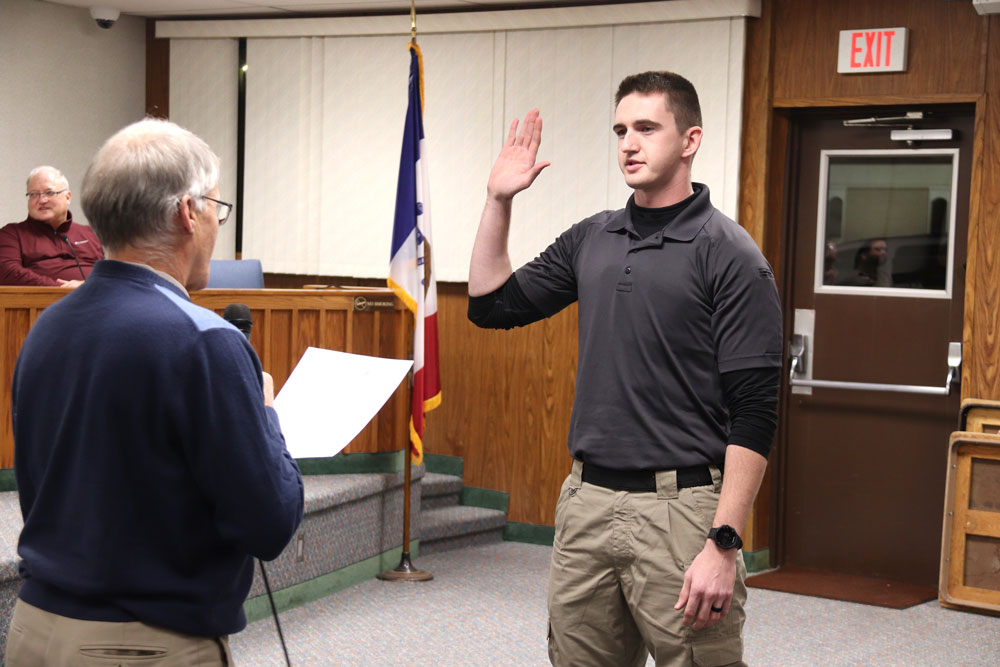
(682, 98)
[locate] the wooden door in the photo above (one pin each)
(878, 233)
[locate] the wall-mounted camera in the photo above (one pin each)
(105, 17)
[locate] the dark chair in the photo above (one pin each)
(235, 274)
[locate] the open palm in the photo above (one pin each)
(515, 168)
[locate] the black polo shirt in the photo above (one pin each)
(659, 319)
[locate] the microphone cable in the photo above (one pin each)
(274, 610)
(238, 314)
(65, 237)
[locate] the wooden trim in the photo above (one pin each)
(981, 353)
(753, 201)
(157, 73)
(970, 380)
(874, 100)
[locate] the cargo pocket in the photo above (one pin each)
(718, 651)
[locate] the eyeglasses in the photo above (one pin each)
(48, 194)
(223, 209)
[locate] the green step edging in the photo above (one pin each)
(296, 595)
(442, 464)
(529, 533)
(7, 481)
(359, 463)
(757, 561)
(490, 499)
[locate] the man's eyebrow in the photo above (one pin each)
(640, 121)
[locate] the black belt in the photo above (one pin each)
(643, 480)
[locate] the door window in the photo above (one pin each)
(886, 221)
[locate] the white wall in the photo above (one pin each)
(204, 100)
(65, 86)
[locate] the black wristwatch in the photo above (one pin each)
(725, 537)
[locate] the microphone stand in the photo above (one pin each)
(65, 237)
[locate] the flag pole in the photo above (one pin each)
(406, 571)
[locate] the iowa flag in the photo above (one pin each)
(411, 270)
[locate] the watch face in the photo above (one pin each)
(726, 537)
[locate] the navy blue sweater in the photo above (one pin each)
(148, 467)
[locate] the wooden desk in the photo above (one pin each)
(286, 322)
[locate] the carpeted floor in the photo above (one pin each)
(486, 606)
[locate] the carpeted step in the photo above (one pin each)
(458, 526)
(10, 582)
(347, 519)
(439, 490)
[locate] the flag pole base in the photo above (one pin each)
(405, 571)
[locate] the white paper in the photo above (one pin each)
(330, 396)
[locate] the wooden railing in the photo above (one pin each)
(286, 322)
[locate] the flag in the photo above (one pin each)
(411, 270)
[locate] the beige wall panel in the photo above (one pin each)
(709, 54)
(280, 221)
(204, 86)
(364, 90)
(459, 91)
(565, 74)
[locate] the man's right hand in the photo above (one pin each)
(69, 284)
(515, 168)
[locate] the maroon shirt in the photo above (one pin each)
(34, 254)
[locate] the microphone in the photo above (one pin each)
(238, 314)
(65, 237)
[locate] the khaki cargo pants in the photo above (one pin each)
(618, 564)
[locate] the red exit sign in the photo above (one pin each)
(872, 50)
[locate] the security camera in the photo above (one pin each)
(104, 16)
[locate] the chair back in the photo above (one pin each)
(235, 274)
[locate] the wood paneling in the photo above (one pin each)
(286, 322)
(157, 73)
(954, 56)
(981, 355)
(943, 51)
(507, 398)
(756, 198)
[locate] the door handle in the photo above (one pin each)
(797, 352)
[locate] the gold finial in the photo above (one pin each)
(413, 21)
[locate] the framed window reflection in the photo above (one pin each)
(886, 222)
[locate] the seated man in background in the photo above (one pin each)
(47, 249)
(150, 464)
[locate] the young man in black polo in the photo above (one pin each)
(679, 361)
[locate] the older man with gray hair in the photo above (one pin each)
(149, 459)
(47, 249)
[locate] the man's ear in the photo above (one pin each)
(187, 215)
(69, 197)
(692, 141)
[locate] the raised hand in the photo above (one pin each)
(515, 168)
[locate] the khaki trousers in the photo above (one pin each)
(618, 563)
(38, 637)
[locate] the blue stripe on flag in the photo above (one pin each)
(405, 219)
